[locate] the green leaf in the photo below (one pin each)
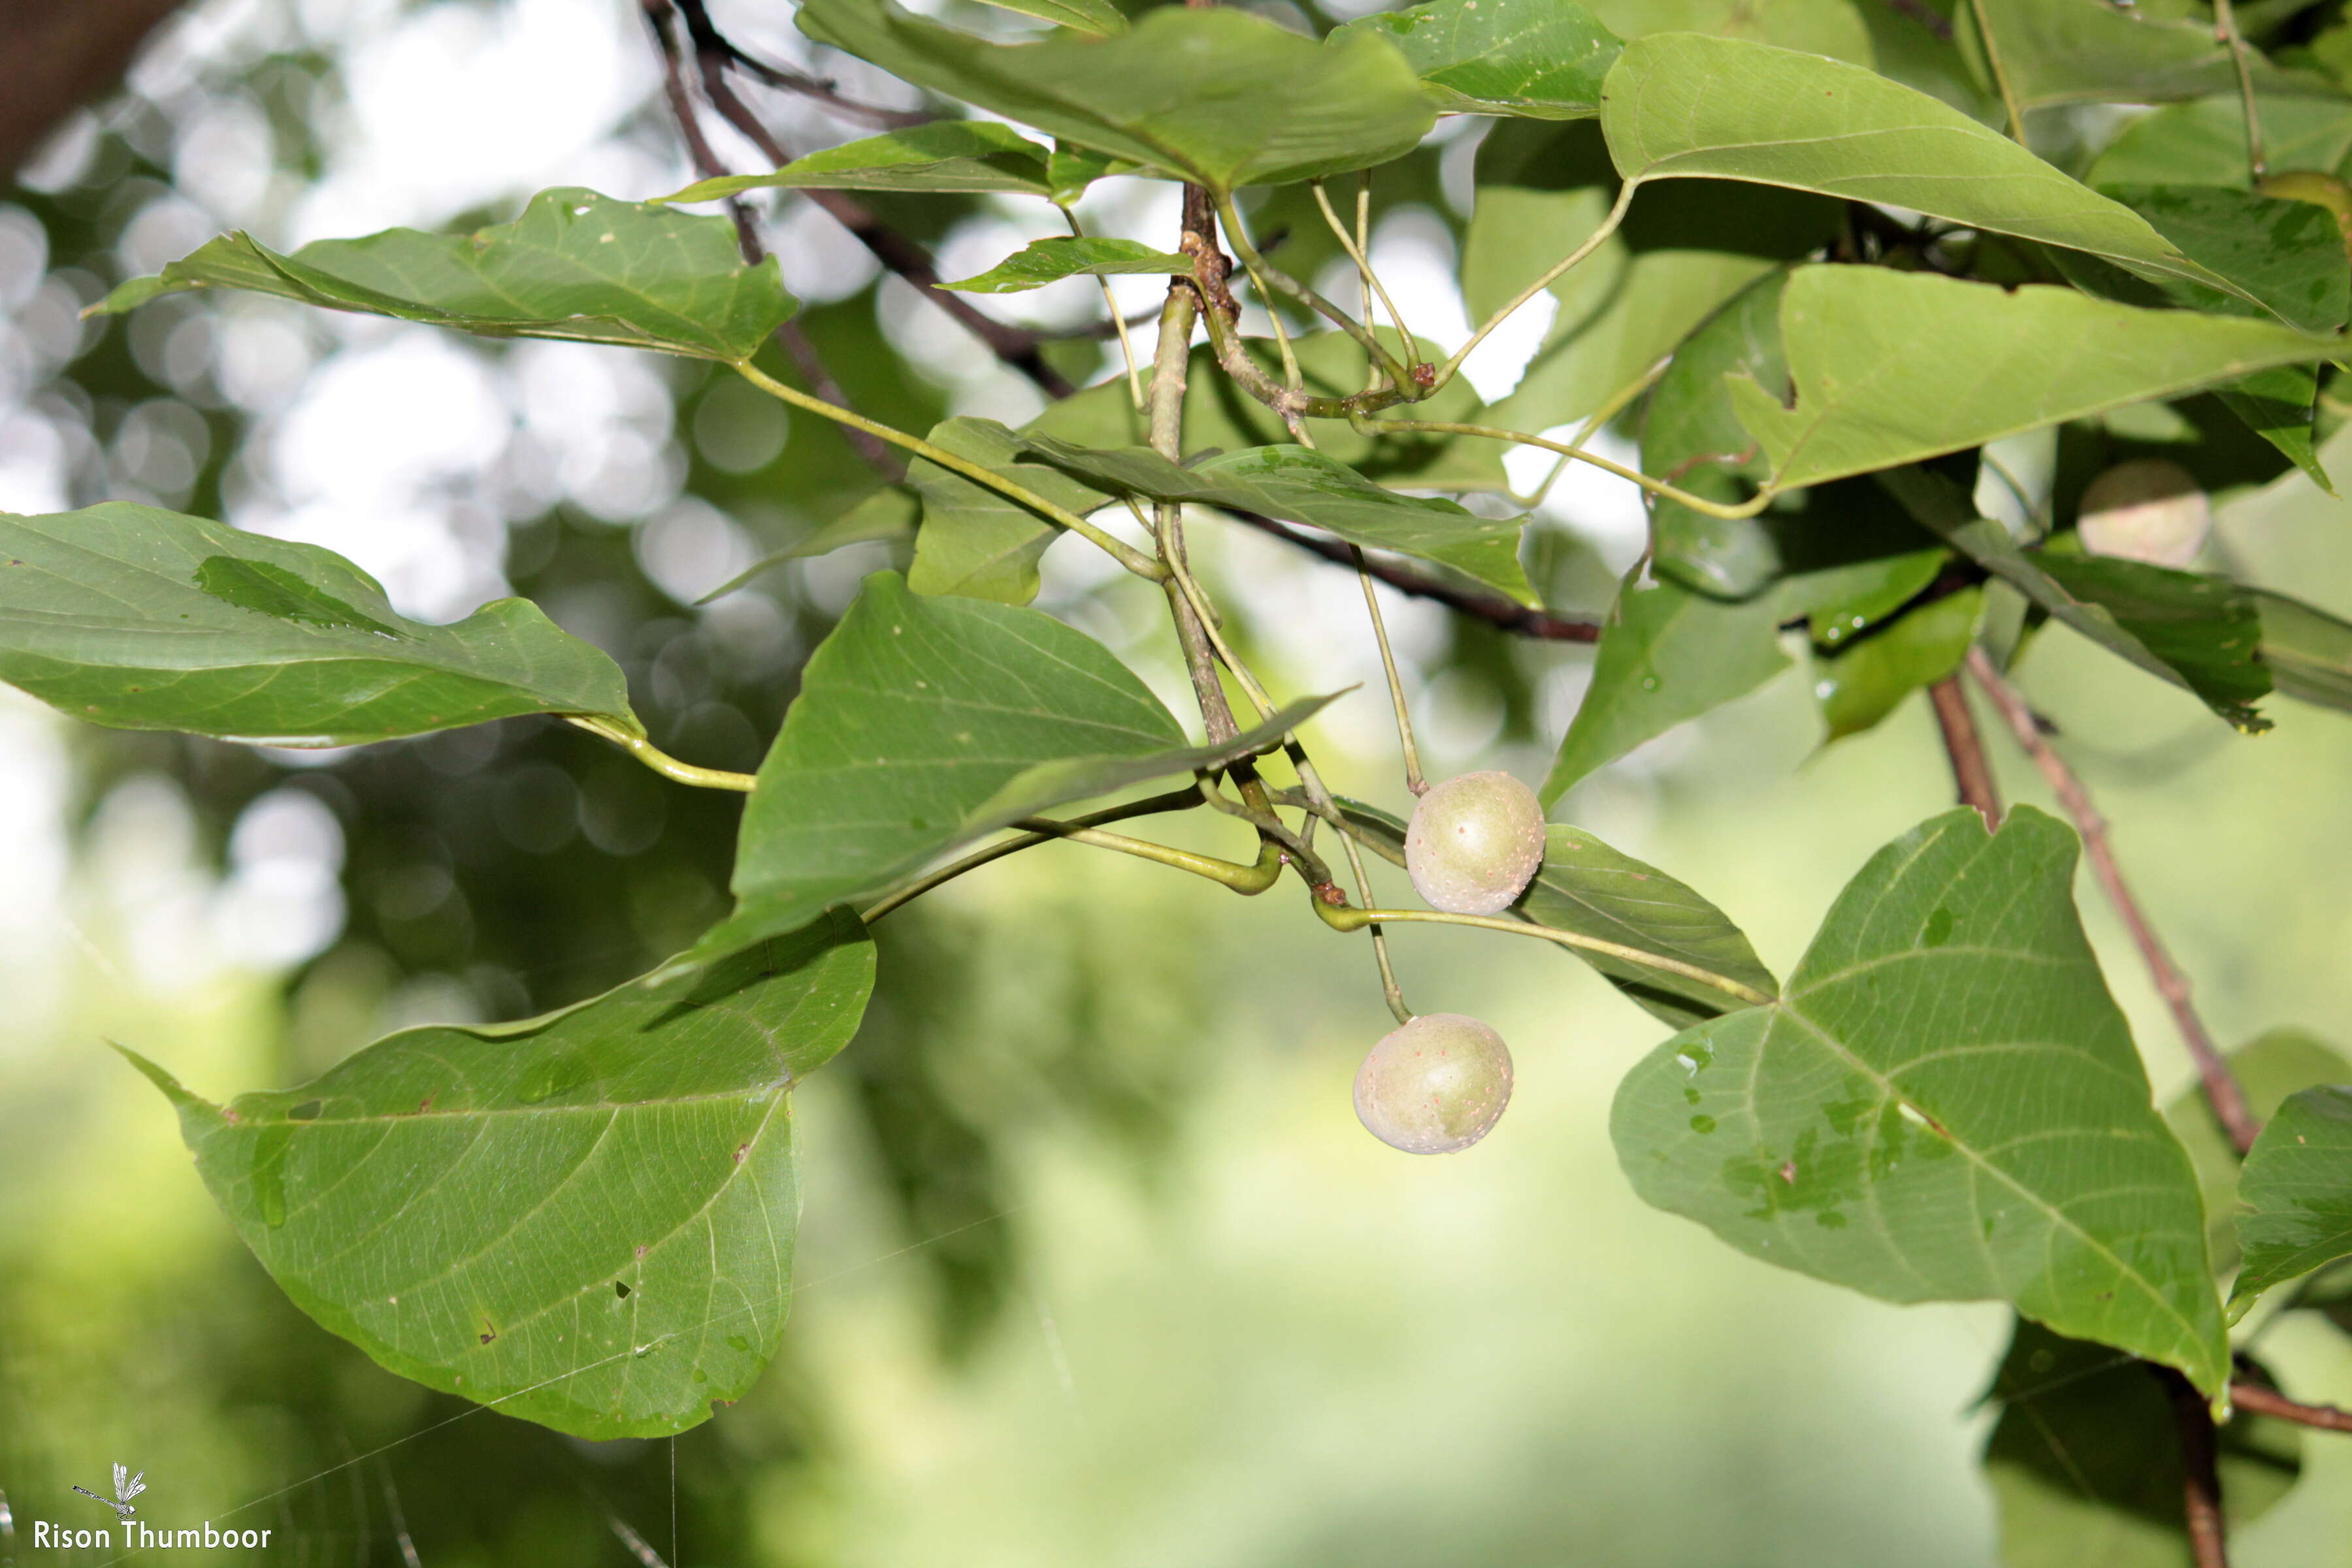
(1869, 679)
(145, 619)
(1667, 655)
(2307, 651)
(2287, 257)
(2205, 629)
(576, 266)
(1044, 261)
(2084, 1463)
(1832, 28)
(2268, 1067)
(2296, 1194)
(1891, 367)
(2204, 142)
(888, 516)
(924, 723)
(959, 155)
(2088, 51)
(2201, 629)
(586, 1219)
(1586, 887)
(1692, 438)
(1858, 601)
(1541, 59)
(980, 542)
(1945, 1104)
(1096, 19)
(1679, 106)
(1220, 417)
(1216, 96)
(1299, 485)
(1684, 248)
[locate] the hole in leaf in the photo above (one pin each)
(307, 1110)
(620, 1289)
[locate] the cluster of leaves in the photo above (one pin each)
(1814, 277)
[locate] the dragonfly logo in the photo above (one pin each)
(126, 1487)
(136, 1536)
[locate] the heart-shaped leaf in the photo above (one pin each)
(1216, 96)
(922, 724)
(1945, 1104)
(587, 1219)
(575, 264)
(145, 619)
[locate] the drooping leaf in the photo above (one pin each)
(960, 155)
(1891, 367)
(1669, 654)
(1216, 96)
(2088, 51)
(1586, 887)
(923, 723)
(1219, 415)
(1945, 1104)
(1832, 28)
(979, 542)
(2204, 142)
(575, 264)
(1869, 679)
(1541, 59)
(2296, 1192)
(1299, 485)
(1096, 19)
(1692, 438)
(1044, 261)
(2210, 634)
(2307, 651)
(145, 619)
(1679, 106)
(2084, 1462)
(2268, 1067)
(1861, 600)
(586, 1219)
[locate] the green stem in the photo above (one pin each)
(1261, 273)
(1119, 322)
(1347, 918)
(1356, 253)
(1608, 227)
(661, 762)
(1152, 805)
(1126, 554)
(1616, 404)
(1999, 76)
(1248, 881)
(1412, 779)
(1749, 508)
(2225, 22)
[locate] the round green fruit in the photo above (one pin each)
(2146, 510)
(1474, 843)
(1434, 1087)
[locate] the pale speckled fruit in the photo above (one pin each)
(1436, 1086)
(2146, 510)
(1474, 843)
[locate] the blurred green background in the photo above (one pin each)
(1097, 1266)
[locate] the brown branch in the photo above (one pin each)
(817, 88)
(2222, 1091)
(1972, 774)
(1015, 346)
(1504, 615)
(791, 336)
(2261, 1400)
(2201, 1473)
(61, 56)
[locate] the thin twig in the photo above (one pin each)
(2225, 27)
(2201, 1473)
(2260, 1399)
(819, 88)
(1971, 773)
(1504, 615)
(2222, 1091)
